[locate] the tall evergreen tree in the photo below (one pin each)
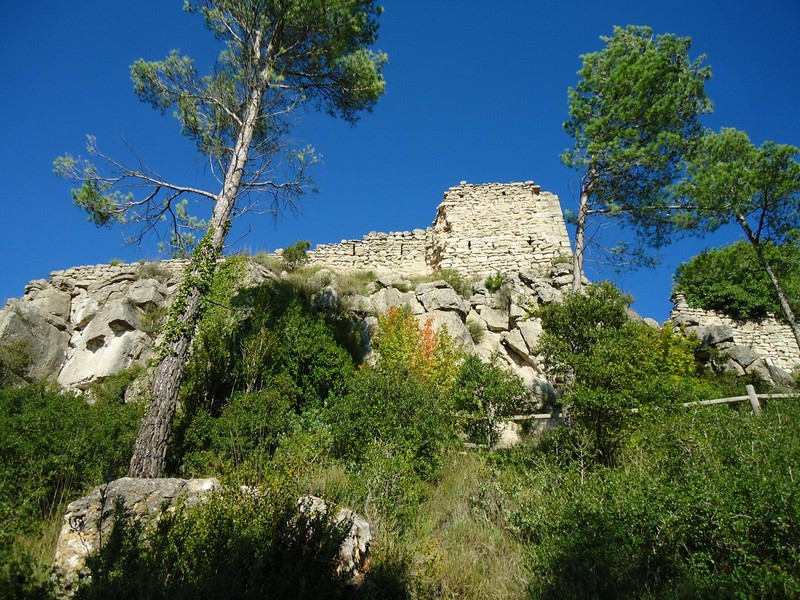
(633, 114)
(278, 56)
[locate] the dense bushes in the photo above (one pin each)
(53, 448)
(236, 545)
(704, 505)
(612, 365)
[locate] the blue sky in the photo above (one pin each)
(476, 91)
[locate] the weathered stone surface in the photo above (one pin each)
(769, 338)
(91, 517)
(496, 320)
(455, 326)
(742, 355)
(508, 436)
(514, 341)
(716, 334)
(46, 343)
(439, 296)
(146, 292)
(386, 298)
(530, 330)
(327, 298)
(354, 551)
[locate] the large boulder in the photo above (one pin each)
(111, 342)
(456, 328)
(25, 325)
(88, 519)
(354, 551)
(440, 296)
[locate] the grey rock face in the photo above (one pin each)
(24, 324)
(88, 519)
(439, 296)
(714, 335)
(354, 551)
(454, 323)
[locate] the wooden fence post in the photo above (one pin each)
(751, 393)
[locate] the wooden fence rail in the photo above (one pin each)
(751, 396)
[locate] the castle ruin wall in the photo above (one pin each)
(769, 338)
(479, 230)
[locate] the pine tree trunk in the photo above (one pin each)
(787, 311)
(580, 230)
(150, 452)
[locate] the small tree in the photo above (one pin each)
(278, 57)
(730, 180)
(632, 115)
(612, 364)
(296, 255)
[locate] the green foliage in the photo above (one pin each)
(296, 255)
(483, 394)
(456, 280)
(391, 406)
(153, 270)
(53, 447)
(732, 281)
(614, 365)
(493, 282)
(572, 328)
(702, 507)
(633, 115)
(405, 347)
(15, 359)
(236, 545)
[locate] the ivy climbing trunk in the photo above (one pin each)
(150, 451)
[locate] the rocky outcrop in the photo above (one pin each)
(88, 323)
(89, 519)
(766, 348)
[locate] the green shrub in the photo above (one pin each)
(153, 270)
(493, 282)
(394, 408)
(53, 448)
(457, 281)
(703, 506)
(614, 365)
(483, 395)
(15, 360)
(236, 545)
(296, 255)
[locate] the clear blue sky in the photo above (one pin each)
(476, 91)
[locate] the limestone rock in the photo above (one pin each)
(387, 298)
(514, 341)
(530, 330)
(146, 292)
(91, 517)
(456, 328)
(743, 355)
(496, 320)
(47, 344)
(714, 335)
(354, 551)
(508, 436)
(439, 296)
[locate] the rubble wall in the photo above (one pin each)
(478, 230)
(769, 338)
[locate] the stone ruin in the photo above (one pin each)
(478, 231)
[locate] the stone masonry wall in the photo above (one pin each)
(768, 338)
(478, 230)
(481, 229)
(399, 252)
